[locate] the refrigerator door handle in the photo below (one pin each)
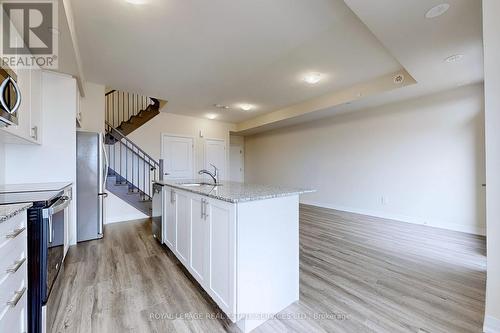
(106, 165)
(101, 212)
(102, 194)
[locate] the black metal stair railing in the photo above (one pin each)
(131, 165)
(120, 106)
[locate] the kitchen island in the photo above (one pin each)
(239, 241)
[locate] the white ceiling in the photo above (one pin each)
(421, 45)
(196, 53)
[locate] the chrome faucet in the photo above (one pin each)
(214, 175)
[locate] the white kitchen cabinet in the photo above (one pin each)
(29, 114)
(183, 226)
(200, 229)
(245, 255)
(36, 106)
(201, 233)
(23, 113)
(221, 249)
(30, 111)
(13, 274)
(170, 212)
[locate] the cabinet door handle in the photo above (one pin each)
(201, 208)
(206, 206)
(34, 132)
(17, 265)
(172, 196)
(16, 298)
(15, 233)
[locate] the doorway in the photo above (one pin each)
(236, 163)
(177, 153)
(215, 153)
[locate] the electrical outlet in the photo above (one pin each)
(383, 200)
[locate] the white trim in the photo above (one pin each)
(491, 325)
(162, 135)
(401, 218)
(68, 10)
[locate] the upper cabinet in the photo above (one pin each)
(30, 111)
(29, 114)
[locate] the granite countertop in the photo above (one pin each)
(8, 211)
(34, 187)
(235, 192)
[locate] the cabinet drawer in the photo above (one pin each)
(11, 284)
(15, 319)
(12, 254)
(11, 229)
(12, 289)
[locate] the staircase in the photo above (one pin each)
(127, 112)
(131, 171)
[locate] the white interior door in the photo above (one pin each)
(236, 163)
(215, 153)
(177, 153)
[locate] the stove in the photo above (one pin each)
(46, 233)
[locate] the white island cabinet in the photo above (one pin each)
(240, 242)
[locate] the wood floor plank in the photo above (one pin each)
(357, 274)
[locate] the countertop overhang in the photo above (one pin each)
(9, 211)
(34, 187)
(235, 192)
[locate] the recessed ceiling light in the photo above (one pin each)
(437, 10)
(221, 106)
(312, 78)
(246, 107)
(211, 116)
(454, 58)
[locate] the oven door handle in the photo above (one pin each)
(50, 230)
(60, 204)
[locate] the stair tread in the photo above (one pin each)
(135, 199)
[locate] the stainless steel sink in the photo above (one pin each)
(199, 184)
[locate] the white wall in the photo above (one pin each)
(92, 108)
(421, 161)
(55, 159)
(118, 210)
(237, 140)
(148, 137)
(491, 27)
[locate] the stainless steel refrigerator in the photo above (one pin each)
(91, 176)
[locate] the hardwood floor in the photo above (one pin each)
(357, 274)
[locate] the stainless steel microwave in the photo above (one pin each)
(10, 97)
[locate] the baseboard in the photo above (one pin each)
(402, 218)
(491, 325)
